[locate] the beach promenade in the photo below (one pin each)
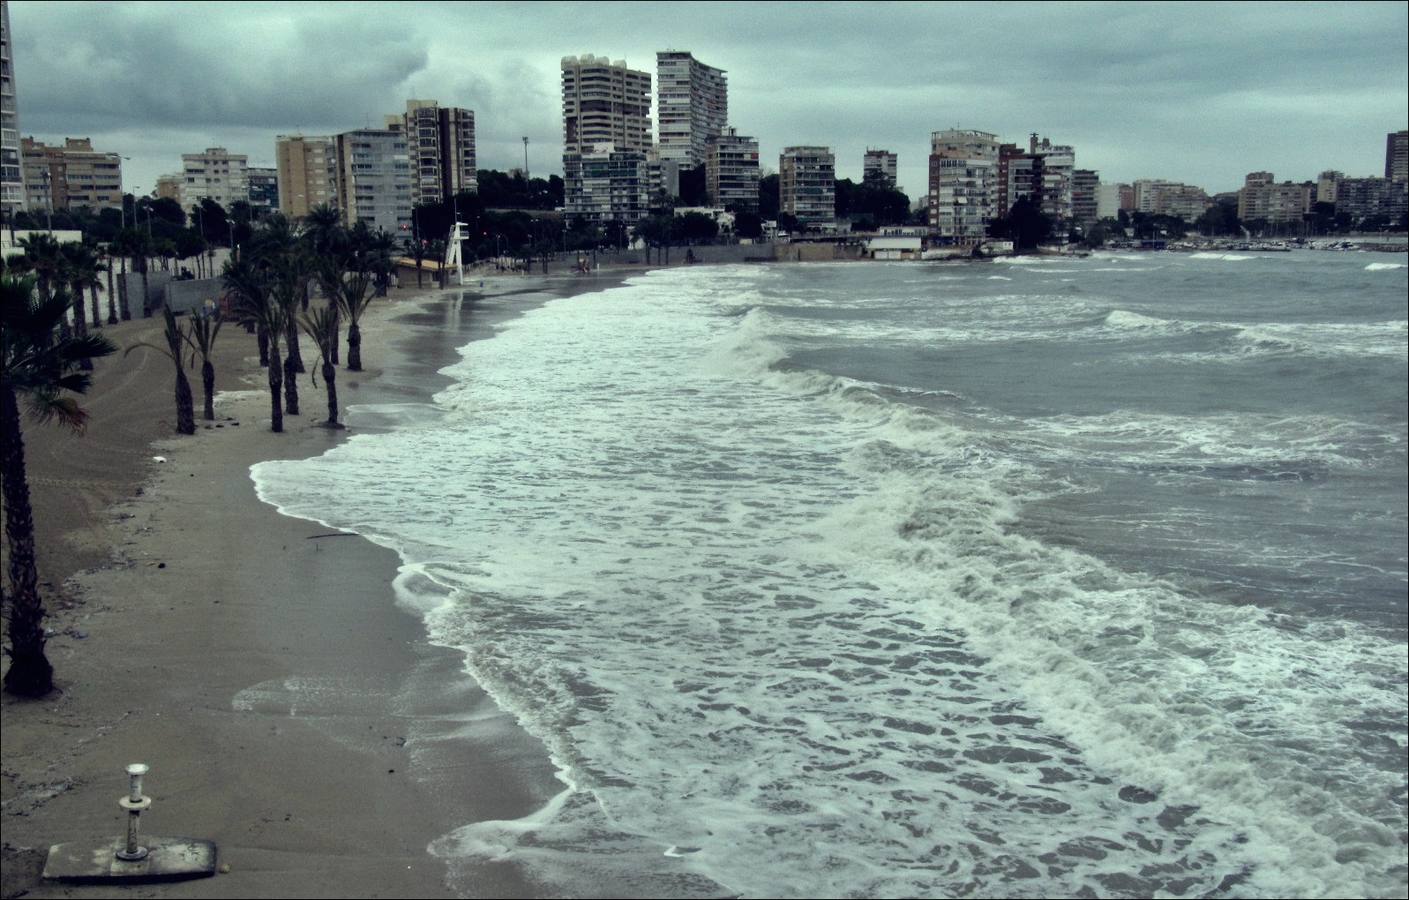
(288, 709)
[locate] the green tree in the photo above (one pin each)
(35, 366)
(1025, 226)
(250, 282)
(185, 403)
(321, 325)
(205, 327)
(768, 198)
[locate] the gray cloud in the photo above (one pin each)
(1196, 92)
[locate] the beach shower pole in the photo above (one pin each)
(134, 803)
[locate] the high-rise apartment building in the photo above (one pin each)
(1262, 198)
(216, 174)
(1326, 184)
(72, 176)
(263, 189)
(1108, 200)
(1384, 199)
(604, 102)
(1397, 156)
(807, 185)
(1085, 201)
(611, 184)
(307, 172)
(606, 116)
(963, 184)
(12, 195)
(440, 143)
(1042, 176)
(374, 180)
(1156, 197)
(731, 171)
(692, 106)
(879, 165)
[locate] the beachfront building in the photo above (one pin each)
(692, 106)
(1263, 199)
(1085, 204)
(879, 165)
(807, 186)
(1108, 200)
(1397, 156)
(1326, 184)
(73, 176)
(607, 128)
(374, 179)
(731, 171)
(962, 184)
(611, 185)
(263, 190)
(664, 175)
(12, 194)
(1365, 199)
(1157, 197)
(440, 142)
(307, 173)
(169, 188)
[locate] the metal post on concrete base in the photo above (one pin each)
(128, 860)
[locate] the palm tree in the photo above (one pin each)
(34, 365)
(322, 326)
(112, 300)
(244, 280)
(201, 338)
(124, 243)
(142, 249)
(352, 290)
(253, 301)
(185, 413)
(43, 255)
(80, 268)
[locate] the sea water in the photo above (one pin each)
(1038, 577)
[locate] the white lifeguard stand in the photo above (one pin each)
(452, 250)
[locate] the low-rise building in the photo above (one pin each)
(1263, 199)
(73, 176)
(1157, 197)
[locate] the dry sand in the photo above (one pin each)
(288, 709)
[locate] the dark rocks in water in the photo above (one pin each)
(1132, 794)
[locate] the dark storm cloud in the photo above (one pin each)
(1196, 92)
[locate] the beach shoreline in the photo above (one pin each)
(290, 710)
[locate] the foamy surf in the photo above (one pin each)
(787, 635)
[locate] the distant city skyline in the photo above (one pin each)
(1198, 93)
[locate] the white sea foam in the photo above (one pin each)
(786, 632)
(1383, 267)
(1226, 257)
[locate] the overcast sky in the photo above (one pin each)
(1188, 92)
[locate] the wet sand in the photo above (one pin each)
(257, 662)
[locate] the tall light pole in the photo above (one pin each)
(525, 159)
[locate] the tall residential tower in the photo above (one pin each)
(11, 167)
(692, 106)
(607, 128)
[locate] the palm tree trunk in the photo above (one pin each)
(80, 324)
(97, 309)
(122, 293)
(290, 388)
(333, 349)
(295, 358)
(146, 309)
(112, 306)
(329, 374)
(354, 347)
(208, 382)
(185, 403)
(261, 337)
(30, 673)
(276, 380)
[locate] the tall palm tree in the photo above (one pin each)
(36, 366)
(112, 300)
(253, 301)
(44, 256)
(201, 339)
(353, 290)
(79, 269)
(123, 243)
(185, 412)
(322, 326)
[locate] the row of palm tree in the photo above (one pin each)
(44, 357)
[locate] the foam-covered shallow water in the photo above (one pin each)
(908, 580)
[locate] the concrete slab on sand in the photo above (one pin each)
(167, 859)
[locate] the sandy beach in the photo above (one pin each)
(258, 663)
